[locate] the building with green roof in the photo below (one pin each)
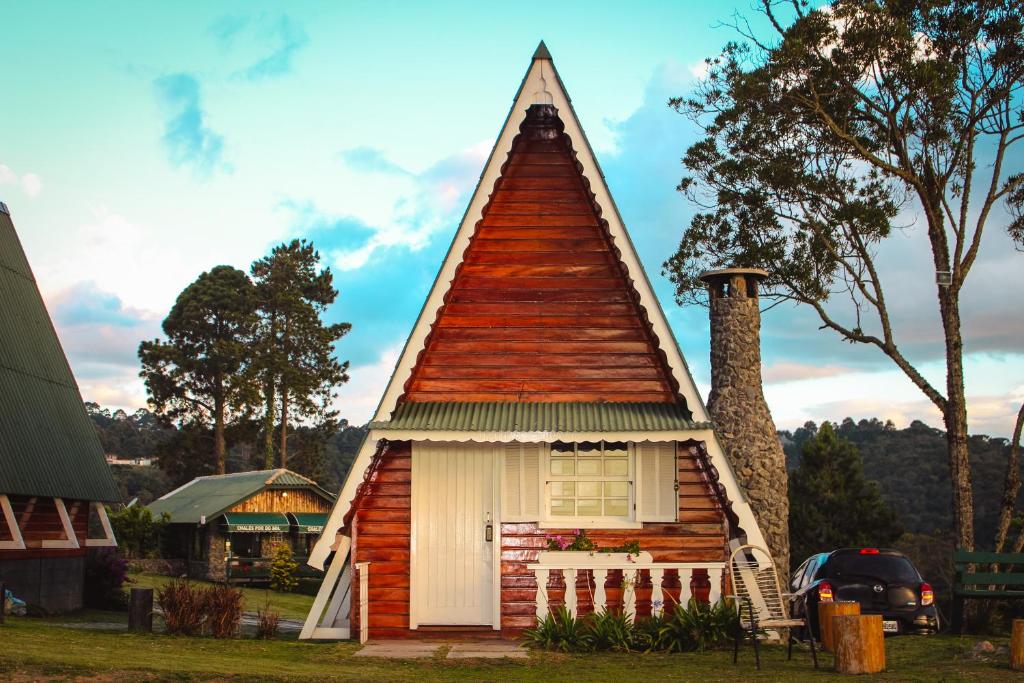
(226, 526)
(53, 475)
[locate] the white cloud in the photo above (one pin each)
(29, 183)
(699, 70)
(358, 398)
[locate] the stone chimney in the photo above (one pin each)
(738, 408)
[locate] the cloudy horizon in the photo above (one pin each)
(136, 159)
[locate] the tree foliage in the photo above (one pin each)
(817, 137)
(831, 504)
(295, 348)
(138, 533)
(199, 373)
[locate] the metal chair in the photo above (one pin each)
(760, 602)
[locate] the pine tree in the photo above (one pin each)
(831, 504)
(199, 374)
(295, 349)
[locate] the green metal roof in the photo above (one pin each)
(257, 522)
(541, 417)
(210, 496)
(48, 445)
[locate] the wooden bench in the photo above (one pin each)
(981, 582)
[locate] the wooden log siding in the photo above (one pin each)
(39, 520)
(381, 535)
(541, 308)
(700, 535)
(296, 500)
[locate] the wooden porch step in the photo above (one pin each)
(458, 632)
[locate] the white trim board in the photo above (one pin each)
(16, 542)
(70, 540)
(541, 78)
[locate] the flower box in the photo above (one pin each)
(591, 559)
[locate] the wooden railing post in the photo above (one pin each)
(715, 577)
(600, 597)
(657, 595)
(630, 578)
(685, 593)
(363, 569)
(541, 576)
(570, 590)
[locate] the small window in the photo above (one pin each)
(589, 482)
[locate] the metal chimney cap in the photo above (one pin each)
(712, 275)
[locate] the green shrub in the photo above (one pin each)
(559, 630)
(698, 626)
(283, 569)
(606, 631)
(138, 534)
(222, 607)
(647, 633)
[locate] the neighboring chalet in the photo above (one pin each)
(540, 392)
(53, 476)
(226, 526)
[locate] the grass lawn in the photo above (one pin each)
(288, 605)
(32, 649)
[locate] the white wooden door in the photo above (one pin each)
(454, 496)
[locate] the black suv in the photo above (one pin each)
(883, 582)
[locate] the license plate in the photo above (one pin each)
(891, 626)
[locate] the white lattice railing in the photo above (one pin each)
(598, 567)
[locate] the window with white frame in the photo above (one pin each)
(589, 481)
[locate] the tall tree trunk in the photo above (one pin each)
(219, 445)
(955, 418)
(269, 420)
(1011, 485)
(284, 425)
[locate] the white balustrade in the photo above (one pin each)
(635, 572)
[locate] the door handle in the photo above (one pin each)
(489, 530)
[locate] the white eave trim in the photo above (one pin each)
(541, 76)
(7, 512)
(70, 540)
(108, 540)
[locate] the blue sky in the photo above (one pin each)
(141, 144)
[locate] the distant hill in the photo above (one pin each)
(912, 471)
(139, 435)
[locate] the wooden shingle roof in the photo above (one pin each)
(48, 445)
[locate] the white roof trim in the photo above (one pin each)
(542, 78)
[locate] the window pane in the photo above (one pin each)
(563, 467)
(615, 507)
(589, 467)
(562, 507)
(615, 489)
(561, 448)
(616, 467)
(563, 489)
(589, 507)
(590, 448)
(590, 489)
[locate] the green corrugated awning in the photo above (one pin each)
(309, 522)
(541, 417)
(256, 522)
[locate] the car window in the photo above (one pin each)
(795, 581)
(890, 568)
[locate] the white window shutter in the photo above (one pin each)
(656, 498)
(521, 490)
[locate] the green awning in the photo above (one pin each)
(256, 522)
(309, 522)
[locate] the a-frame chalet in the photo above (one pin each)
(541, 392)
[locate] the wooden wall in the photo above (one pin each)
(382, 530)
(381, 537)
(276, 500)
(700, 535)
(541, 309)
(38, 520)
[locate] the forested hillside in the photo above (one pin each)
(185, 453)
(911, 469)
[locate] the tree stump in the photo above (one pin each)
(827, 610)
(140, 610)
(1017, 646)
(859, 643)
